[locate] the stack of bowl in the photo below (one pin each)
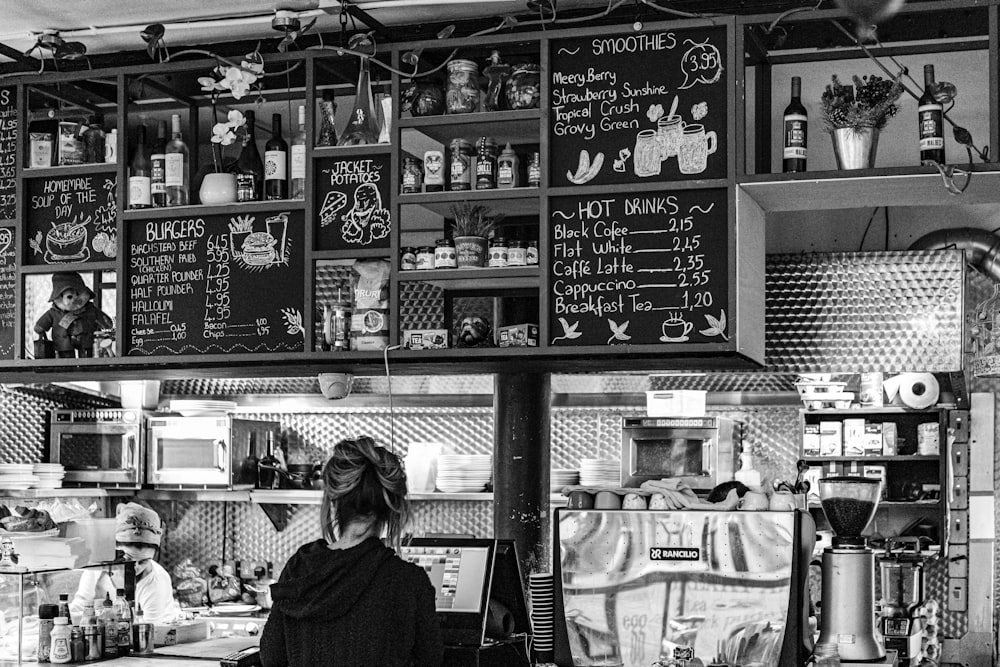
(50, 475)
(17, 476)
(542, 614)
(562, 477)
(463, 473)
(602, 473)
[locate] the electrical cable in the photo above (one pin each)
(867, 227)
(388, 382)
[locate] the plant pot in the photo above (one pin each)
(218, 189)
(471, 251)
(855, 148)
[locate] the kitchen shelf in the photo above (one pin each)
(516, 127)
(509, 201)
(234, 209)
(851, 459)
(314, 497)
(67, 492)
(351, 151)
(486, 279)
(208, 495)
(887, 410)
(71, 170)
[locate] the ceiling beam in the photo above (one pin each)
(18, 57)
(163, 89)
(382, 33)
(69, 95)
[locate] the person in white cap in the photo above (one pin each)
(137, 535)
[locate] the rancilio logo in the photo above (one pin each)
(674, 553)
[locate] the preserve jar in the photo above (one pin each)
(424, 97)
(461, 165)
(444, 254)
(425, 257)
(407, 259)
(486, 164)
(413, 174)
(523, 86)
(531, 253)
(516, 254)
(497, 73)
(463, 87)
(498, 252)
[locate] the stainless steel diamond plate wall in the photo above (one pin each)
(873, 311)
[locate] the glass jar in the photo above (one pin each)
(413, 175)
(497, 73)
(328, 126)
(424, 97)
(407, 259)
(463, 87)
(486, 164)
(444, 254)
(516, 254)
(524, 86)
(498, 252)
(425, 257)
(825, 654)
(531, 253)
(535, 170)
(461, 165)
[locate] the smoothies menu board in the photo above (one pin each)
(8, 288)
(72, 219)
(639, 268)
(215, 284)
(8, 153)
(638, 108)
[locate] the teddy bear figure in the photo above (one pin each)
(72, 318)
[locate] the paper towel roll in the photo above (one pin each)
(918, 390)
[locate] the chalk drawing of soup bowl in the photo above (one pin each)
(675, 329)
(66, 240)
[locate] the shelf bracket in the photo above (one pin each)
(277, 514)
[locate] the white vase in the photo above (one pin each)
(218, 189)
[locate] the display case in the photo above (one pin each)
(22, 592)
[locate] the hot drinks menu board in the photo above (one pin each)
(353, 198)
(72, 219)
(8, 288)
(639, 268)
(638, 108)
(8, 154)
(216, 284)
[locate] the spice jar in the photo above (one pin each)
(434, 176)
(498, 252)
(425, 257)
(461, 165)
(486, 164)
(516, 254)
(463, 87)
(407, 259)
(523, 87)
(531, 253)
(444, 254)
(413, 175)
(535, 170)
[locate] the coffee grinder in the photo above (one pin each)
(902, 594)
(848, 618)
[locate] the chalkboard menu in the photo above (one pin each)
(215, 284)
(8, 288)
(638, 108)
(72, 219)
(353, 199)
(639, 268)
(8, 154)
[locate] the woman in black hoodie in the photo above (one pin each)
(347, 600)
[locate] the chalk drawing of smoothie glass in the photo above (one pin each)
(668, 134)
(675, 329)
(696, 146)
(646, 156)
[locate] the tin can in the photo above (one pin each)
(142, 639)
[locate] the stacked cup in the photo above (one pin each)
(50, 475)
(542, 614)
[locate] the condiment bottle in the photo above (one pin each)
(461, 165)
(61, 651)
(434, 175)
(77, 645)
(507, 167)
(46, 622)
(486, 164)
(123, 614)
(109, 620)
(412, 175)
(535, 170)
(63, 605)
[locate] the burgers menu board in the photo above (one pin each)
(638, 107)
(7, 291)
(639, 268)
(72, 219)
(216, 284)
(353, 199)
(8, 152)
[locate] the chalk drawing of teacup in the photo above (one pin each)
(696, 145)
(675, 329)
(668, 135)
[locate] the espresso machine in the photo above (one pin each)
(848, 618)
(902, 571)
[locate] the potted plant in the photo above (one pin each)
(854, 115)
(471, 228)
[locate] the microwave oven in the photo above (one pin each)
(700, 452)
(206, 451)
(98, 447)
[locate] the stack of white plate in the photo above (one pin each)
(17, 476)
(463, 474)
(542, 611)
(50, 475)
(194, 408)
(558, 478)
(600, 472)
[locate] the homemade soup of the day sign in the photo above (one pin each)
(216, 284)
(638, 108)
(72, 219)
(639, 268)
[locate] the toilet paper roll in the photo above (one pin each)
(918, 390)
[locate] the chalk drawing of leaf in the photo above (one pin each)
(618, 332)
(569, 330)
(716, 327)
(293, 320)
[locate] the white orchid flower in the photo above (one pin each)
(209, 84)
(222, 134)
(236, 119)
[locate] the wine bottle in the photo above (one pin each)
(276, 163)
(930, 113)
(158, 183)
(298, 168)
(139, 173)
(249, 167)
(796, 127)
(176, 162)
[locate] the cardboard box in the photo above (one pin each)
(675, 403)
(831, 438)
(876, 472)
(854, 437)
(873, 438)
(889, 445)
(425, 339)
(810, 440)
(518, 335)
(181, 633)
